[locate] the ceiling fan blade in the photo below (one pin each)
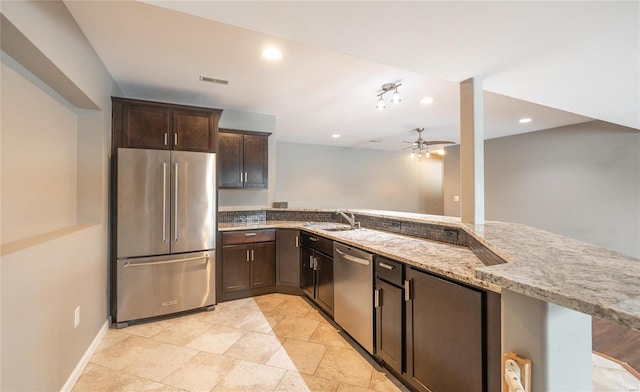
(406, 148)
(414, 143)
(435, 142)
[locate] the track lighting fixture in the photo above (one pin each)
(395, 98)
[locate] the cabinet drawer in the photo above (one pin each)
(248, 236)
(322, 244)
(389, 270)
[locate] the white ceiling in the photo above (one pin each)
(581, 57)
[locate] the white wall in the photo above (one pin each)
(54, 198)
(336, 177)
(582, 181)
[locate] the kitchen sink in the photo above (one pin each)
(337, 228)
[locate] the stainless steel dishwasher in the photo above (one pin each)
(353, 293)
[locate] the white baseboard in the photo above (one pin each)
(77, 372)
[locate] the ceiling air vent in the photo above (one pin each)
(213, 80)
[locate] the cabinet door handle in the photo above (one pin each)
(241, 180)
(166, 138)
(297, 242)
(175, 139)
(164, 201)
(315, 263)
(407, 291)
(386, 266)
(252, 255)
(175, 220)
(247, 254)
(376, 298)
(245, 176)
(310, 262)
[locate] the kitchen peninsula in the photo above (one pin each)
(539, 264)
(540, 275)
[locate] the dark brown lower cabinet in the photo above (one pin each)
(389, 322)
(324, 282)
(263, 264)
(444, 335)
(316, 270)
(248, 266)
(288, 258)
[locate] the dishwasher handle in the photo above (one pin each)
(353, 259)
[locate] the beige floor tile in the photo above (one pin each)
(294, 307)
(298, 355)
(380, 382)
(161, 361)
(263, 303)
(112, 337)
(254, 347)
(259, 322)
(280, 331)
(216, 339)
(313, 314)
(230, 317)
(345, 366)
(147, 330)
(181, 332)
(202, 372)
(96, 378)
(235, 304)
(351, 388)
(326, 334)
(297, 382)
(123, 353)
(250, 377)
(296, 328)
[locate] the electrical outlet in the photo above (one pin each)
(76, 317)
(456, 198)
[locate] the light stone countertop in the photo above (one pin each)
(540, 264)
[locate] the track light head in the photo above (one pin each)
(395, 98)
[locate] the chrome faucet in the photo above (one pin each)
(349, 218)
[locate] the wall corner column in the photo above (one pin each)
(471, 152)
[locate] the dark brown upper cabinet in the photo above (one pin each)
(162, 126)
(243, 159)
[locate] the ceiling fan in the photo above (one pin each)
(421, 147)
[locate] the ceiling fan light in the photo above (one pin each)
(395, 98)
(380, 105)
(427, 155)
(413, 155)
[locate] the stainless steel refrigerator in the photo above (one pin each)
(166, 232)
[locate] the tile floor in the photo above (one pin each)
(274, 342)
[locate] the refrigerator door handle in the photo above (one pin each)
(129, 264)
(164, 202)
(175, 203)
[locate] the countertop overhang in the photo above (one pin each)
(539, 264)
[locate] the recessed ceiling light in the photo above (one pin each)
(272, 53)
(426, 100)
(335, 136)
(525, 120)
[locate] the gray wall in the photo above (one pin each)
(337, 177)
(54, 162)
(582, 181)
